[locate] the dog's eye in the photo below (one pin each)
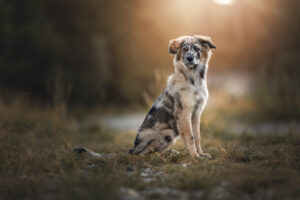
(196, 48)
(186, 48)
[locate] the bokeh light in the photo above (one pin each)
(224, 2)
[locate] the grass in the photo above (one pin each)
(36, 162)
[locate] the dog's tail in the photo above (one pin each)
(85, 151)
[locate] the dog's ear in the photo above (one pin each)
(206, 40)
(174, 45)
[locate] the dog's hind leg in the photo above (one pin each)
(153, 141)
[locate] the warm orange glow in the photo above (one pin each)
(224, 2)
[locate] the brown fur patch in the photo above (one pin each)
(183, 89)
(179, 54)
(205, 40)
(182, 72)
(204, 53)
(174, 46)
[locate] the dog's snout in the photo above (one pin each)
(190, 57)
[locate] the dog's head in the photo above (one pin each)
(192, 51)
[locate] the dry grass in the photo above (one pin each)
(36, 162)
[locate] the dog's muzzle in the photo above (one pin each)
(190, 58)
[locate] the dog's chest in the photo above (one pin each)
(200, 95)
(197, 88)
(192, 91)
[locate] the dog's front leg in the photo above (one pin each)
(186, 131)
(196, 130)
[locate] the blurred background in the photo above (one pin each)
(111, 53)
(83, 73)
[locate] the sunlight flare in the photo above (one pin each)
(224, 2)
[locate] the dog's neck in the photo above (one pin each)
(196, 75)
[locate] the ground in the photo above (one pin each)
(37, 162)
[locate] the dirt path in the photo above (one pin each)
(132, 121)
(117, 122)
(234, 84)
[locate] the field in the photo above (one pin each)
(37, 162)
(79, 73)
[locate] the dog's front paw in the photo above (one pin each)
(204, 156)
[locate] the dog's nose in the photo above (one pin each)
(190, 58)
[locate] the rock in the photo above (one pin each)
(130, 194)
(221, 191)
(197, 194)
(81, 151)
(166, 193)
(148, 180)
(129, 168)
(151, 175)
(147, 172)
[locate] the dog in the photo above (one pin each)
(177, 111)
